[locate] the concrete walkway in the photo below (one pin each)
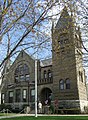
(19, 115)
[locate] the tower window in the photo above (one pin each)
(62, 40)
(65, 41)
(80, 76)
(67, 84)
(61, 84)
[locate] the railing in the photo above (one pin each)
(45, 81)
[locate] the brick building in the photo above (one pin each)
(62, 77)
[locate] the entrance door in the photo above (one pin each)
(45, 93)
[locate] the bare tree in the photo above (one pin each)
(25, 21)
(22, 18)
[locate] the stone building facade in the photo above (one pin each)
(62, 77)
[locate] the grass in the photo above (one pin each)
(49, 118)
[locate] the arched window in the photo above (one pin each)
(61, 84)
(67, 83)
(22, 73)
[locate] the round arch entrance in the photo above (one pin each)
(45, 93)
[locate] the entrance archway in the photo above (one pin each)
(45, 93)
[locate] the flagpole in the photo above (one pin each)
(33, 6)
(36, 87)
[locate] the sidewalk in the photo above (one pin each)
(19, 115)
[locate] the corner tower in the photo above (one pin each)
(68, 73)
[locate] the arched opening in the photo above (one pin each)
(45, 94)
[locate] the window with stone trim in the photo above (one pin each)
(45, 74)
(2, 98)
(32, 95)
(17, 95)
(10, 96)
(24, 95)
(67, 83)
(61, 84)
(49, 76)
(22, 73)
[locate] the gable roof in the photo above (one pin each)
(22, 55)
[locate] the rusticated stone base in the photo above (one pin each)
(69, 104)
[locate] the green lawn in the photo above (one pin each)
(9, 114)
(5, 114)
(49, 118)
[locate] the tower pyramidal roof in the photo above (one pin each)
(64, 19)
